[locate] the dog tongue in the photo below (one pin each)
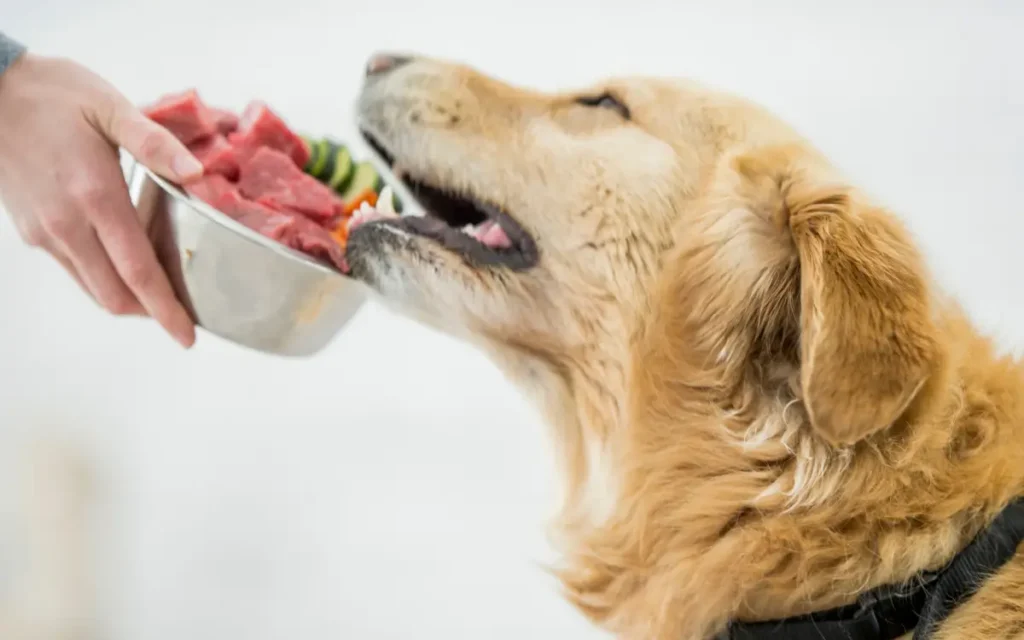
(492, 235)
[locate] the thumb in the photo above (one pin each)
(150, 143)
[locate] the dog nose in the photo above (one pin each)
(384, 62)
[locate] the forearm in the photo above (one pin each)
(9, 51)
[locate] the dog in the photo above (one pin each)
(763, 405)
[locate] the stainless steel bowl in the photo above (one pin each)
(236, 283)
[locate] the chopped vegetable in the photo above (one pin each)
(340, 232)
(368, 196)
(343, 170)
(318, 158)
(364, 177)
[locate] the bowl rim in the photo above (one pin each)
(224, 220)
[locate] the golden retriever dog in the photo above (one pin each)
(763, 406)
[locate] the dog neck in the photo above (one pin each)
(687, 506)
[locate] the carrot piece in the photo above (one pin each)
(340, 232)
(368, 195)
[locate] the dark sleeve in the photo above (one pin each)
(10, 51)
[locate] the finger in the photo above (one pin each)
(77, 248)
(129, 249)
(51, 248)
(151, 144)
(63, 261)
(32, 232)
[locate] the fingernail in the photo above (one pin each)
(184, 334)
(186, 166)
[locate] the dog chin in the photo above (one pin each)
(409, 277)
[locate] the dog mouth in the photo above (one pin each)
(480, 232)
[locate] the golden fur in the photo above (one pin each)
(763, 405)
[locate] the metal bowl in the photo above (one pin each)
(236, 283)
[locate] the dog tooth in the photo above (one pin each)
(386, 202)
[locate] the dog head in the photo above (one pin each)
(579, 192)
(642, 214)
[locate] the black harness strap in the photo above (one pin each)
(969, 569)
(889, 612)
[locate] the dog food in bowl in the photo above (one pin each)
(299, 192)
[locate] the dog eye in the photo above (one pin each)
(605, 101)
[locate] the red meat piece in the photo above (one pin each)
(296, 198)
(289, 228)
(271, 178)
(216, 191)
(314, 240)
(227, 122)
(274, 197)
(265, 170)
(217, 156)
(184, 115)
(292, 230)
(275, 225)
(260, 127)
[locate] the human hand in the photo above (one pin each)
(61, 181)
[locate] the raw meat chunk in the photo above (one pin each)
(288, 228)
(316, 241)
(254, 174)
(271, 178)
(260, 127)
(227, 122)
(216, 191)
(184, 115)
(217, 156)
(272, 224)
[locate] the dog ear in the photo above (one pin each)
(867, 340)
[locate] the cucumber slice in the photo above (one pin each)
(323, 149)
(328, 169)
(311, 145)
(316, 155)
(342, 172)
(364, 177)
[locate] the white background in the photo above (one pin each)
(394, 486)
